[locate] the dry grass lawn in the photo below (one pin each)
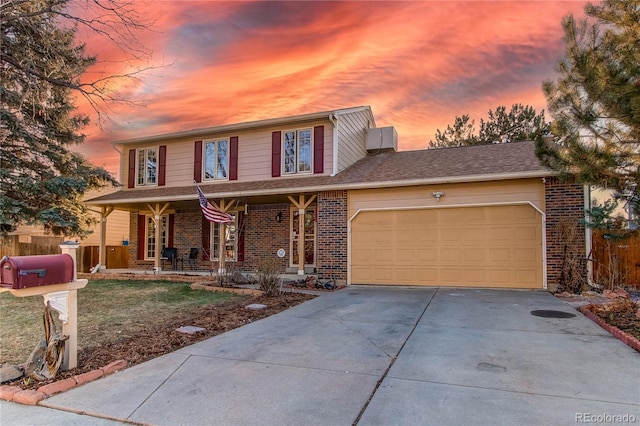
(108, 311)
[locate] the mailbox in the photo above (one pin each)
(34, 271)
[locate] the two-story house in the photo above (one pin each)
(329, 193)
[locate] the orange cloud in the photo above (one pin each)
(418, 64)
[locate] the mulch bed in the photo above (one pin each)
(621, 317)
(159, 339)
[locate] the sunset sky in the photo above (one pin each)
(418, 64)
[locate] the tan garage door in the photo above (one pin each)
(489, 246)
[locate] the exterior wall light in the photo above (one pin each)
(437, 194)
(279, 217)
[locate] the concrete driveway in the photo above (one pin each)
(378, 356)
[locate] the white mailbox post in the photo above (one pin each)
(63, 298)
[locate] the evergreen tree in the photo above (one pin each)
(595, 101)
(42, 181)
(520, 123)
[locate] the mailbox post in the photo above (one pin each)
(27, 276)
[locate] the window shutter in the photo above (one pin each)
(197, 162)
(206, 238)
(276, 146)
(132, 168)
(233, 158)
(241, 222)
(171, 219)
(142, 237)
(318, 149)
(162, 164)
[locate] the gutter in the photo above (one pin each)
(249, 125)
(335, 187)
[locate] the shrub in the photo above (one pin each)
(268, 273)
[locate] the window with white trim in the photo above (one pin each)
(150, 252)
(147, 166)
(231, 239)
(296, 151)
(216, 159)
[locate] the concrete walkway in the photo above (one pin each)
(376, 356)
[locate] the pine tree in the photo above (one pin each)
(42, 181)
(595, 102)
(519, 124)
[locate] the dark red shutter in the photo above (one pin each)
(206, 238)
(172, 219)
(142, 236)
(132, 168)
(276, 153)
(197, 162)
(241, 222)
(233, 158)
(318, 149)
(162, 164)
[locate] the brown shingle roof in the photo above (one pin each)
(459, 164)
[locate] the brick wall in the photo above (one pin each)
(332, 236)
(564, 203)
(263, 236)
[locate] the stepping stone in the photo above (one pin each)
(255, 306)
(190, 329)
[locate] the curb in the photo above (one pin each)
(626, 338)
(33, 397)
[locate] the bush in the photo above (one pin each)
(268, 273)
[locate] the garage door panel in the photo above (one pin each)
(488, 246)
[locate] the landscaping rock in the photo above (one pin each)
(190, 329)
(255, 306)
(612, 294)
(9, 373)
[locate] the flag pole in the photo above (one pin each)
(222, 252)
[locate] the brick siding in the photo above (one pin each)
(564, 206)
(332, 236)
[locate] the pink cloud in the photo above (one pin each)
(418, 64)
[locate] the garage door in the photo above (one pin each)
(488, 246)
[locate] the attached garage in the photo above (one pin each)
(474, 246)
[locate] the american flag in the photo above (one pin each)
(211, 213)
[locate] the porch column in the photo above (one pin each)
(222, 252)
(302, 205)
(102, 252)
(157, 212)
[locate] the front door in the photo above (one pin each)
(309, 237)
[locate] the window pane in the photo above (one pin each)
(223, 160)
(151, 238)
(231, 244)
(141, 156)
(210, 160)
(152, 166)
(304, 148)
(289, 152)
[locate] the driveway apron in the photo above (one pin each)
(383, 355)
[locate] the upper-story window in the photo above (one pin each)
(216, 159)
(296, 151)
(147, 166)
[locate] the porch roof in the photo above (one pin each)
(515, 160)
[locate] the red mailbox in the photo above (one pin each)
(34, 271)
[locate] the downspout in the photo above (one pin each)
(334, 121)
(120, 168)
(587, 235)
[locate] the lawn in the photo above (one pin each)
(109, 311)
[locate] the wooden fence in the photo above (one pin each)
(615, 261)
(87, 256)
